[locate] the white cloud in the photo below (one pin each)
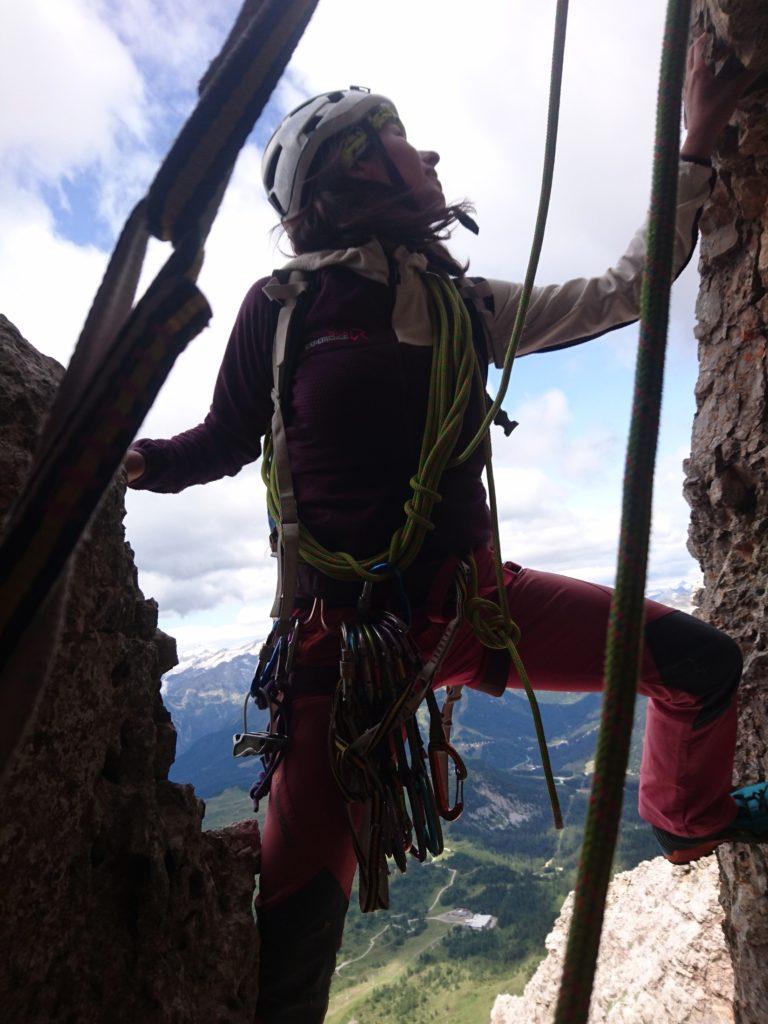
(177, 38)
(68, 86)
(48, 282)
(101, 75)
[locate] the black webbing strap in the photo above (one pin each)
(205, 150)
(55, 506)
(121, 360)
(290, 294)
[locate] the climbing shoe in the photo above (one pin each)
(749, 826)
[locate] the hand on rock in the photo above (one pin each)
(708, 102)
(133, 464)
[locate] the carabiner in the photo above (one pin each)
(439, 752)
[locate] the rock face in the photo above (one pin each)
(727, 475)
(663, 956)
(115, 905)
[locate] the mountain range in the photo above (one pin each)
(206, 690)
(205, 695)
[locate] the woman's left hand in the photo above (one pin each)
(709, 104)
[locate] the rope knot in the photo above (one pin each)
(419, 488)
(416, 517)
(489, 623)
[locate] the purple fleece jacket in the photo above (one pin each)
(354, 427)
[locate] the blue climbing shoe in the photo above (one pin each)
(752, 815)
(749, 826)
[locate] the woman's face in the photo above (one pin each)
(416, 167)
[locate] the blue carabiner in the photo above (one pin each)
(395, 574)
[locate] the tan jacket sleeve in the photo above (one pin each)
(582, 309)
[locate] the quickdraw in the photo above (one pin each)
(269, 691)
(393, 786)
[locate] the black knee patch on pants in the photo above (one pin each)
(299, 940)
(696, 658)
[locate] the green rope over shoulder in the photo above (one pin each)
(453, 365)
(625, 628)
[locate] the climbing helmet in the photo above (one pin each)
(289, 154)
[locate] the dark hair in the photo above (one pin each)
(339, 211)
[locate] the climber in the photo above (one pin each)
(366, 216)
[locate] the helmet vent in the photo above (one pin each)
(311, 124)
(269, 174)
(334, 97)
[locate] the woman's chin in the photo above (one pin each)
(432, 200)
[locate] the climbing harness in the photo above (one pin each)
(625, 625)
(377, 755)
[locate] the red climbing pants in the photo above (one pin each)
(690, 672)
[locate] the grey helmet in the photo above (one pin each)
(289, 153)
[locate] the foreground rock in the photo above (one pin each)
(116, 907)
(727, 476)
(663, 957)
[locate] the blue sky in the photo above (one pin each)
(94, 91)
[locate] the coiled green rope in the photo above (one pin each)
(453, 366)
(454, 369)
(625, 628)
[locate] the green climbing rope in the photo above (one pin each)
(625, 629)
(548, 171)
(453, 366)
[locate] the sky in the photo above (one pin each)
(92, 93)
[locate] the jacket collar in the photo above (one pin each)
(410, 315)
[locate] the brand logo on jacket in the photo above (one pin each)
(347, 334)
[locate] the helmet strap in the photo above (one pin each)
(396, 178)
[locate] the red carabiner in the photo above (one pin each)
(439, 752)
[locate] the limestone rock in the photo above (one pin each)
(727, 474)
(663, 956)
(740, 27)
(116, 906)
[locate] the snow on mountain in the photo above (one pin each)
(201, 659)
(205, 691)
(676, 595)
